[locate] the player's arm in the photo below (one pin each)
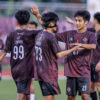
(69, 20)
(35, 12)
(67, 52)
(97, 68)
(86, 46)
(2, 55)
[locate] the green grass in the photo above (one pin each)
(8, 91)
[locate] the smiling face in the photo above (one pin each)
(80, 22)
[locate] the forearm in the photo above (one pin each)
(2, 55)
(39, 18)
(65, 53)
(88, 46)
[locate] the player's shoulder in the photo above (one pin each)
(69, 32)
(90, 32)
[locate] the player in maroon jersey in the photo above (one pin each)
(32, 26)
(77, 64)
(46, 53)
(20, 44)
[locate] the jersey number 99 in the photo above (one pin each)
(18, 52)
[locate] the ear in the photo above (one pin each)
(51, 24)
(86, 22)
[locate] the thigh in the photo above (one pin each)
(71, 88)
(83, 85)
(23, 86)
(49, 88)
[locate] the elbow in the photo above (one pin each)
(59, 55)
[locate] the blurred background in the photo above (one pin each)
(64, 8)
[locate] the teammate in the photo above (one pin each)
(77, 65)
(96, 53)
(20, 44)
(46, 53)
(32, 26)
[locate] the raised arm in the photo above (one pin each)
(35, 12)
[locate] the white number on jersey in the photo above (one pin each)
(38, 53)
(18, 52)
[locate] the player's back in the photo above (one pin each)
(20, 43)
(45, 55)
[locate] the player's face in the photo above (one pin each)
(54, 29)
(32, 27)
(80, 22)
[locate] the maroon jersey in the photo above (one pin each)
(20, 44)
(77, 64)
(96, 52)
(46, 48)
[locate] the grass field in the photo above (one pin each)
(8, 91)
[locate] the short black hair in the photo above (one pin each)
(22, 17)
(83, 13)
(33, 23)
(97, 17)
(49, 17)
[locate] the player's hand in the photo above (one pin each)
(35, 10)
(76, 44)
(69, 20)
(97, 68)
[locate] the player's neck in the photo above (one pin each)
(82, 30)
(50, 31)
(97, 28)
(22, 27)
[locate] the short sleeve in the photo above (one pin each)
(8, 44)
(54, 46)
(92, 39)
(1, 45)
(62, 36)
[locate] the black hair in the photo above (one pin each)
(22, 17)
(49, 17)
(33, 23)
(83, 13)
(97, 17)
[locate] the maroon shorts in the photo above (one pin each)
(23, 86)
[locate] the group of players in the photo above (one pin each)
(34, 53)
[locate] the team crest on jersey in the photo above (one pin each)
(85, 40)
(68, 89)
(71, 39)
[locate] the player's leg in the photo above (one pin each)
(32, 91)
(93, 94)
(51, 97)
(23, 89)
(94, 78)
(98, 88)
(21, 96)
(49, 90)
(71, 88)
(84, 87)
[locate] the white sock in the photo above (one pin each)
(32, 96)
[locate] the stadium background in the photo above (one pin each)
(7, 24)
